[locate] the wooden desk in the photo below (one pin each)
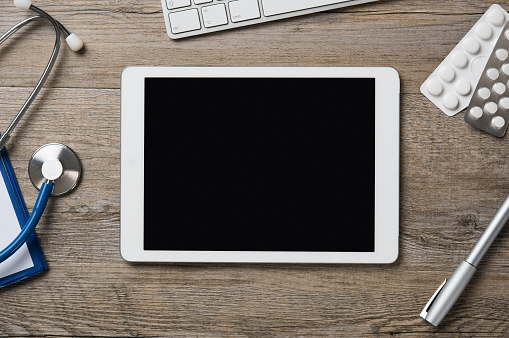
(453, 179)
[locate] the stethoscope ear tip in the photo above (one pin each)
(74, 42)
(23, 4)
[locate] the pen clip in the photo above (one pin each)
(424, 312)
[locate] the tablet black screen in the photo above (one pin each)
(259, 164)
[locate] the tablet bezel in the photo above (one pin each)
(387, 90)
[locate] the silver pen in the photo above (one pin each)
(450, 290)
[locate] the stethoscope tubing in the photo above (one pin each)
(58, 30)
(47, 187)
(33, 220)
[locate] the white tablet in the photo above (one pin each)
(265, 164)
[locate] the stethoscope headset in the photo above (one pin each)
(54, 168)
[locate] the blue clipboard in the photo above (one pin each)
(21, 211)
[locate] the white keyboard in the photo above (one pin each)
(185, 18)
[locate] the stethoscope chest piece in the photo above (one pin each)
(56, 162)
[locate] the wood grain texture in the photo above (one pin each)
(453, 179)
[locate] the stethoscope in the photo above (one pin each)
(54, 168)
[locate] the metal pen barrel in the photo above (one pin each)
(489, 235)
(447, 294)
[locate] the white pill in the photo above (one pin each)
(504, 103)
(492, 73)
(484, 93)
(496, 17)
(501, 54)
(490, 107)
(434, 87)
(462, 87)
(506, 33)
(450, 101)
(497, 122)
(476, 112)
(446, 73)
(459, 59)
(484, 31)
(499, 88)
(505, 68)
(471, 45)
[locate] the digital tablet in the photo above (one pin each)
(260, 164)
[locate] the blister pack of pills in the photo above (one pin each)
(489, 108)
(451, 86)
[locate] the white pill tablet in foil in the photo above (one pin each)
(504, 103)
(505, 68)
(502, 54)
(434, 87)
(471, 45)
(462, 87)
(490, 107)
(497, 122)
(496, 17)
(450, 101)
(459, 59)
(484, 93)
(484, 31)
(476, 112)
(499, 88)
(446, 73)
(493, 73)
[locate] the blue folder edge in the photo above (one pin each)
(22, 213)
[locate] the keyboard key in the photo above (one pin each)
(199, 2)
(242, 10)
(172, 4)
(184, 21)
(273, 7)
(214, 15)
